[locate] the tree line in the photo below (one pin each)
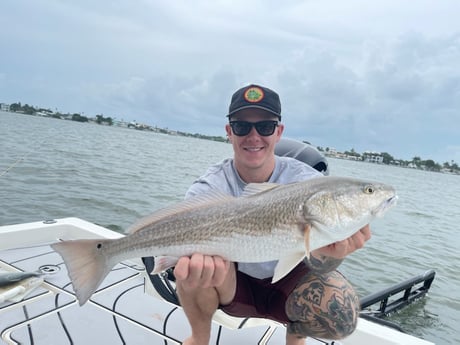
(416, 161)
(428, 164)
(30, 110)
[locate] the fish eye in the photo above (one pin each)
(369, 189)
(99, 245)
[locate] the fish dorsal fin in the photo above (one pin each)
(196, 202)
(256, 188)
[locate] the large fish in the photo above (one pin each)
(269, 222)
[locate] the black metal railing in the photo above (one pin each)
(398, 296)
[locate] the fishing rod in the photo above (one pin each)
(19, 160)
(34, 148)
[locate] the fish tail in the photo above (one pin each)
(87, 265)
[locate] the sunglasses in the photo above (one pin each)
(264, 128)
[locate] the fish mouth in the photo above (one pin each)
(385, 205)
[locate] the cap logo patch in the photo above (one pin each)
(254, 94)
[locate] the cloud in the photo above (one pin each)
(386, 77)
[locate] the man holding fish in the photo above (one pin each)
(313, 299)
(257, 236)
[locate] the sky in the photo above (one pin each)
(379, 75)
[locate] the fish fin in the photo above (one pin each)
(256, 188)
(306, 234)
(286, 265)
(87, 266)
(194, 203)
(162, 263)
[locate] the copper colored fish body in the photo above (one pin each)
(269, 222)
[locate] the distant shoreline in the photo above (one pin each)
(369, 157)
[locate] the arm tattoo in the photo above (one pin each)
(322, 264)
(324, 306)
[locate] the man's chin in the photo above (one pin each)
(254, 156)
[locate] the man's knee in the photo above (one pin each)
(324, 306)
(323, 330)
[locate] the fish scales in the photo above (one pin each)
(269, 222)
(207, 228)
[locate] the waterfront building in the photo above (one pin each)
(373, 157)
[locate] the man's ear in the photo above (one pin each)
(279, 131)
(228, 129)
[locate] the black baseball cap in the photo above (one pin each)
(255, 96)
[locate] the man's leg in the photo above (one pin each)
(323, 306)
(199, 301)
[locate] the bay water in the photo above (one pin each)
(112, 176)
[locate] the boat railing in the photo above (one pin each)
(397, 296)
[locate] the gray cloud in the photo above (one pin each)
(363, 75)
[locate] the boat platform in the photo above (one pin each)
(126, 309)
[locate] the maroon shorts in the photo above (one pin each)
(260, 298)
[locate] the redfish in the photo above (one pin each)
(268, 222)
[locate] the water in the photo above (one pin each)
(420, 233)
(111, 176)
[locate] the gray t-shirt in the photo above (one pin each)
(223, 177)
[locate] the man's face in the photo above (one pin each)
(254, 151)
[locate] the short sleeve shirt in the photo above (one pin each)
(224, 177)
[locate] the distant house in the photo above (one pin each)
(4, 107)
(372, 157)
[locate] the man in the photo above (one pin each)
(313, 299)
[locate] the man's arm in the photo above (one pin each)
(322, 264)
(203, 283)
(327, 259)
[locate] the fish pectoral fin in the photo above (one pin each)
(306, 234)
(286, 265)
(162, 263)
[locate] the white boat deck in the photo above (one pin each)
(120, 312)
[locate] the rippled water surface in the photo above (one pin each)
(112, 176)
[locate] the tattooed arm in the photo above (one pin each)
(324, 304)
(322, 264)
(327, 259)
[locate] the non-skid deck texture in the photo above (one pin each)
(118, 313)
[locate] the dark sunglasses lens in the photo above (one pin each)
(265, 128)
(241, 128)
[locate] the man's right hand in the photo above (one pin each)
(201, 271)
